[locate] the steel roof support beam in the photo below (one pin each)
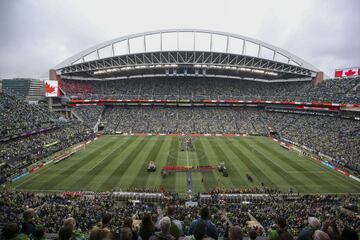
(189, 58)
(81, 57)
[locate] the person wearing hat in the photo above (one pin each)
(320, 235)
(307, 233)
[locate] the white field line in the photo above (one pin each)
(37, 174)
(103, 158)
(269, 159)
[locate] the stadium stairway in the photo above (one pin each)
(76, 116)
(188, 182)
(96, 127)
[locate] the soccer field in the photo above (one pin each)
(120, 162)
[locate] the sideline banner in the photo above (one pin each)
(50, 144)
(355, 178)
(20, 176)
(327, 164)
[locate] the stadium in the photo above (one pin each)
(183, 120)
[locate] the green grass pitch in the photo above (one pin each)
(120, 162)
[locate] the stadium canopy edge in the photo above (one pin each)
(171, 45)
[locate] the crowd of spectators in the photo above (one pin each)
(183, 120)
(77, 88)
(17, 117)
(251, 190)
(336, 137)
(335, 217)
(180, 88)
(19, 153)
(30, 133)
(89, 114)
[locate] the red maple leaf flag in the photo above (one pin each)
(48, 88)
(347, 72)
(338, 73)
(51, 88)
(350, 73)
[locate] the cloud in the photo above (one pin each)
(37, 35)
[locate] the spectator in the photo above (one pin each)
(176, 228)
(105, 221)
(211, 230)
(10, 232)
(100, 234)
(320, 235)
(39, 233)
(331, 229)
(65, 233)
(200, 231)
(147, 228)
(307, 232)
(349, 234)
(71, 224)
(126, 233)
(235, 233)
(27, 226)
(164, 233)
(280, 233)
(128, 223)
(252, 234)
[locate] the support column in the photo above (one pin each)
(319, 78)
(53, 75)
(50, 104)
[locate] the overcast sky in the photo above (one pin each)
(36, 35)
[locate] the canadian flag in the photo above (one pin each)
(338, 73)
(51, 88)
(347, 72)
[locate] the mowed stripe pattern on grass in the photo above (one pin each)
(115, 163)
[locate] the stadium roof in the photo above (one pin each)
(186, 52)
